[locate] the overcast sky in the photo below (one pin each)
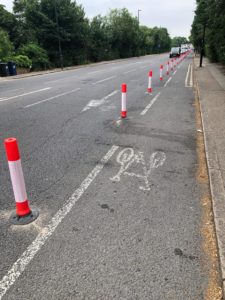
(175, 15)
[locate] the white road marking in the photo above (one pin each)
(174, 72)
(104, 80)
(191, 76)
(14, 97)
(187, 76)
(54, 97)
(127, 157)
(129, 71)
(95, 72)
(136, 63)
(167, 81)
(150, 104)
(20, 265)
(56, 80)
(118, 122)
(96, 103)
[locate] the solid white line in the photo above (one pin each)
(186, 79)
(150, 104)
(20, 265)
(103, 80)
(167, 81)
(14, 97)
(54, 97)
(129, 71)
(191, 76)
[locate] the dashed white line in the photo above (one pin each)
(106, 79)
(94, 72)
(150, 104)
(51, 98)
(174, 72)
(18, 96)
(20, 265)
(167, 81)
(130, 71)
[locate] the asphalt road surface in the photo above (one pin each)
(118, 199)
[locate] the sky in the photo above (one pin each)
(176, 15)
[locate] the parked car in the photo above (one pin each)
(175, 52)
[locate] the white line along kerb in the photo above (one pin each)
(20, 265)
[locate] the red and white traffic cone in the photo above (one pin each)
(161, 72)
(150, 82)
(124, 101)
(167, 68)
(23, 214)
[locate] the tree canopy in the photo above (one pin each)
(48, 30)
(210, 18)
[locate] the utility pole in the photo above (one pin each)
(58, 36)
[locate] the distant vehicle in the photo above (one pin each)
(175, 52)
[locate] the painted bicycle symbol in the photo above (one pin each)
(127, 157)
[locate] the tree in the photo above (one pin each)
(124, 33)
(178, 41)
(99, 44)
(6, 47)
(208, 29)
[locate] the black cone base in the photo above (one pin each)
(17, 220)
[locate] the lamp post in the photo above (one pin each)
(138, 15)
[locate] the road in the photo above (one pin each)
(120, 214)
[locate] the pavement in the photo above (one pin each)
(211, 91)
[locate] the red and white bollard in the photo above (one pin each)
(124, 101)
(150, 82)
(23, 214)
(167, 68)
(161, 72)
(171, 64)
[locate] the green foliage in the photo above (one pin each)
(210, 14)
(37, 54)
(48, 30)
(6, 47)
(22, 61)
(124, 33)
(178, 40)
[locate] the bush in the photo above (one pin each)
(22, 61)
(37, 54)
